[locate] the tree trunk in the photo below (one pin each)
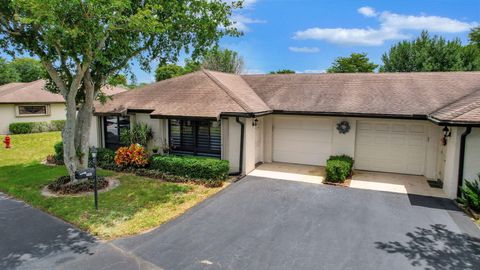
(68, 137)
(84, 120)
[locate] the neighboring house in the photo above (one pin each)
(397, 120)
(29, 102)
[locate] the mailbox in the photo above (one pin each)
(85, 173)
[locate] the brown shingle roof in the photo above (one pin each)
(209, 94)
(191, 95)
(34, 92)
(466, 109)
(403, 94)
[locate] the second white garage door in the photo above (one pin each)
(303, 140)
(398, 147)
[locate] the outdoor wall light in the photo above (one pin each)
(446, 132)
(255, 122)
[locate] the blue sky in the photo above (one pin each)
(307, 35)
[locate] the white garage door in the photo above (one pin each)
(303, 140)
(391, 147)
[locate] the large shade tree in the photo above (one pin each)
(433, 53)
(82, 43)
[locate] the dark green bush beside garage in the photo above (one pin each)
(339, 168)
(191, 167)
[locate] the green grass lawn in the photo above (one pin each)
(27, 148)
(138, 204)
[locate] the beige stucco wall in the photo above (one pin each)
(8, 115)
(159, 129)
(472, 155)
(450, 180)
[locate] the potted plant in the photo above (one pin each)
(155, 149)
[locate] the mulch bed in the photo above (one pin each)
(63, 187)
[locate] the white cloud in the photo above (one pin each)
(304, 49)
(249, 3)
(241, 22)
(350, 36)
(430, 23)
(367, 11)
(392, 27)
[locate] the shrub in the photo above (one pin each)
(57, 125)
(191, 167)
(132, 156)
(471, 195)
(63, 185)
(339, 168)
(59, 152)
(36, 127)
(138, 134)
(21, 128)
(156, 174)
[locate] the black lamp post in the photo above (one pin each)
(95, 191)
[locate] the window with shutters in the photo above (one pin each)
(194, 137)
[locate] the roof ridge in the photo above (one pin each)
(229, 92)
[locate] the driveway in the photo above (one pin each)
(261, 223)
(32, 239)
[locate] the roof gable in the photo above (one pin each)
(34, 92)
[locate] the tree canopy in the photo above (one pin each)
(283, 71)
(28, 69)
(82, 43)
(356, 62)
(432, 53)
(8, 74)
(223, 60)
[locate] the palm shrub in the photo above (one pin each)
(470, 195)
(138, 134)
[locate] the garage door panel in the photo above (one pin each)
(391, 147)
(302, 135)
(302, 140)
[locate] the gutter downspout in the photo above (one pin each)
(242, 133)
(461, 162)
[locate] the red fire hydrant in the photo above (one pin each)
(6, 141)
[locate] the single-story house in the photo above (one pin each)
(30, 102)
(409, 123)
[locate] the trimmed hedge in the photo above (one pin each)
(339, 168)
(156, 174)
(36, 127)
(191, 167)
(21, 128)
(57, 125)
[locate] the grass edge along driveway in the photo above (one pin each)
(137, 205)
